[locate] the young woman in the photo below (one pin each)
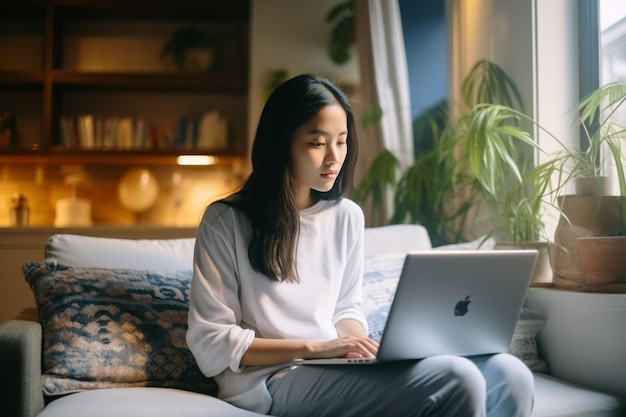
(277, 276)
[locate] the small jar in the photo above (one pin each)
(7, 129)
(19, 211)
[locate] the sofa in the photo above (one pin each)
(114, 319)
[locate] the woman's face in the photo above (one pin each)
(318, 152)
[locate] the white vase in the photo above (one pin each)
(593, 186)
(542, 275)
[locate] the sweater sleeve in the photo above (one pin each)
(350, 294)
(214, 336)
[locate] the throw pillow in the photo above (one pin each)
(380, 278)
(524, 344)
(105, 328)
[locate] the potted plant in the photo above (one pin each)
(589, 242)
(591, 234)
(500, 158)
(191, 48)
(445, 191)
(342, 35)
(440, 190)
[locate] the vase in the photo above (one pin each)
(542, 275)
(593, 186)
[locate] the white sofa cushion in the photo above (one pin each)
(395, 238)
(557, 398)
(102, 252)
(141, 402)
(87, 251)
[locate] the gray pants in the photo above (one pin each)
(442, 386)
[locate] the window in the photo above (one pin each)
(613, 40)
(612, 19)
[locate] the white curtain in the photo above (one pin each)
(384, 83)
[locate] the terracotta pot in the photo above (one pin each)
(542, 275)
(603, 259)
(583, 217)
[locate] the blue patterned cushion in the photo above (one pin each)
(524, 344)
(106, 328)
(380, 278)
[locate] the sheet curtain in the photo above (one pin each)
(384, 84)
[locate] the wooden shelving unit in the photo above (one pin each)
(41, 86)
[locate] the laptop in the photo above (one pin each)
(463, 303)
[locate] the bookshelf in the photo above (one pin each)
(68, 60)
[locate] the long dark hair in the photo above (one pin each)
(268, 197)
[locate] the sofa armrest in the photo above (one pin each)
(584, 337)
(20, 368)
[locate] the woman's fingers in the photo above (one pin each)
(369, 349)
(348, 346)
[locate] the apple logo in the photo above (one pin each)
(460, 309)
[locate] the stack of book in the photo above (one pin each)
(89, 132)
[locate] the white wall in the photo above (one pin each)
(497, 30)
(291, 35)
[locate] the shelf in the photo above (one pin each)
(207, 82)
(115, 157)
(148, 9)
(22, 77)
(102, 57)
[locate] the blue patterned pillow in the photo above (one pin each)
(380, 278)
(105, 328)
(524, 344)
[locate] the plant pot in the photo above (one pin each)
(199, 59)
(603, 262)
(593, 186)
(582, 217)
(542, 275)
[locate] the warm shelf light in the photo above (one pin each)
(196, 160)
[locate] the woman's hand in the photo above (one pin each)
(268, 352)
(351, 343)
(344, 346)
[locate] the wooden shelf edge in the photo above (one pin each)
(115, 158)
(26, 76)
(210, 81)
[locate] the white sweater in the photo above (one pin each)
(230, 303)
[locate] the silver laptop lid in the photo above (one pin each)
(456, 302)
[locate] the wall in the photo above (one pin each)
(290, 35)
(498, 30)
